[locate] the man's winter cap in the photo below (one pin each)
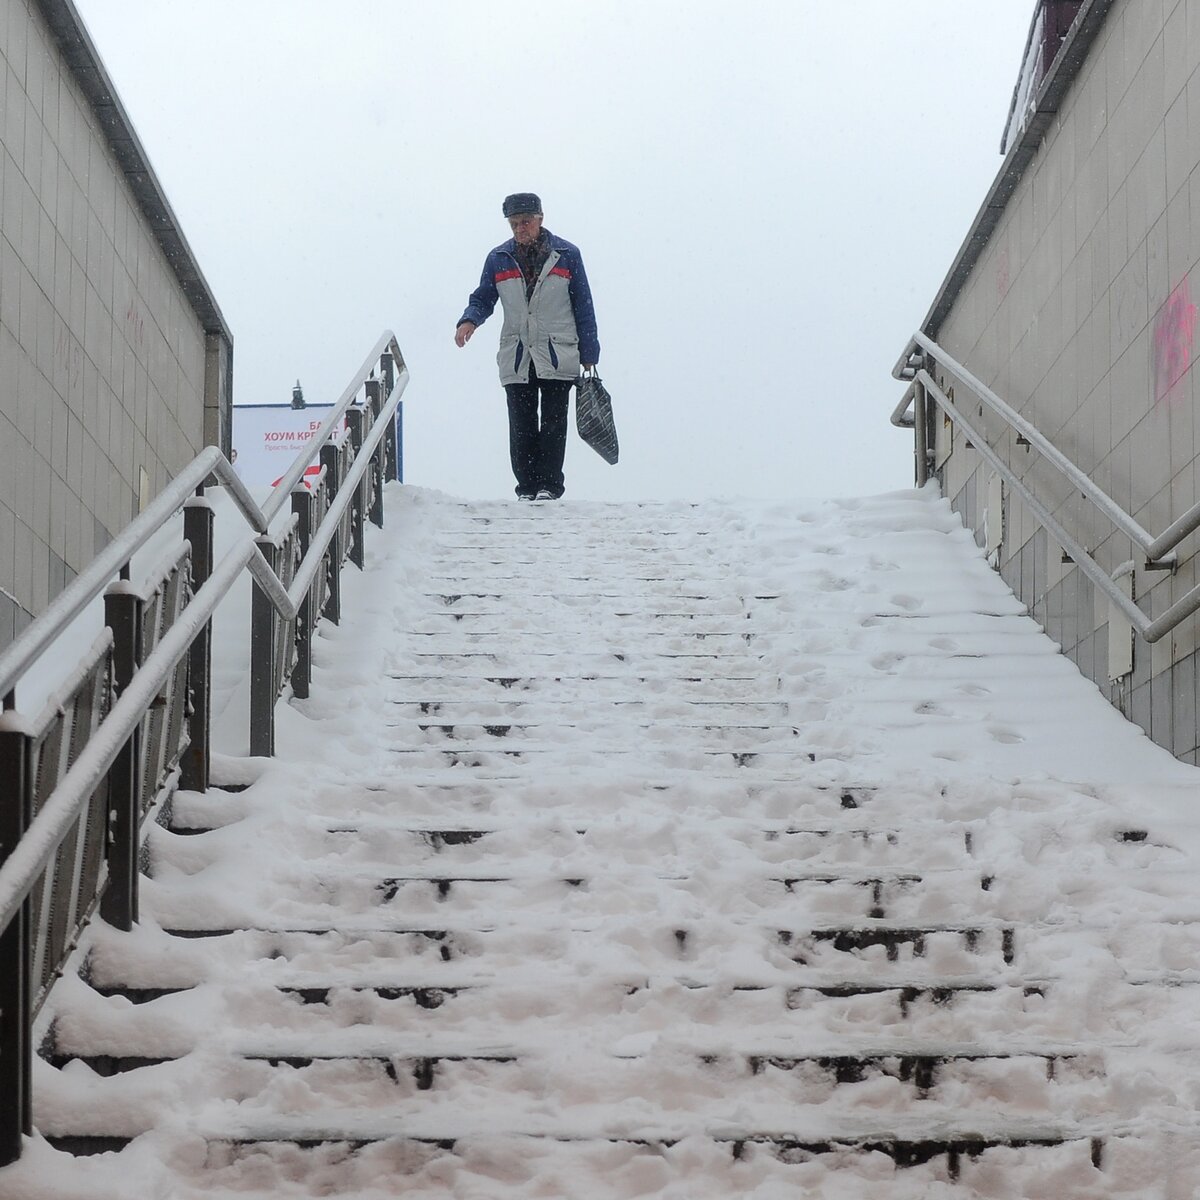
(522, 202)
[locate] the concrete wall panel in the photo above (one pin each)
(103, 357)
(1082, 313)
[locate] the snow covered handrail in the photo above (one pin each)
(1029, 433)
(143, 692)
(381, 365)
(114, 559)
(350, 492)
(922, 352)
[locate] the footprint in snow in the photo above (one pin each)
(835, 583)
(887, 662)
(908, 603)
(973, 689)
(942, 643)
(930, 708)
(1006, 736)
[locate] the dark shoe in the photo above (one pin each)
(545, 495)
(526, 496)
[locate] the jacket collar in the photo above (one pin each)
(510, 247)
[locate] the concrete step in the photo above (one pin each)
(542, 712)
(517, 1076)
(732, 933)
(762, 735)
(951, 1150)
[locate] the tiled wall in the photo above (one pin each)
(102, 359)
(1082, 313)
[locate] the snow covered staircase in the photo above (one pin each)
(632, 850)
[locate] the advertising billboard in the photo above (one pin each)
(268, 437)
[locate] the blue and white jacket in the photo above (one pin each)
(555, 328)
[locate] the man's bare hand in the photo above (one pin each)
(462, 335)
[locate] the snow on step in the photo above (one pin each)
(683, 850)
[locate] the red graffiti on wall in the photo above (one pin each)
(1002, 274)
(1174, 330)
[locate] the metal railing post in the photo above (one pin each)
(921, 434)
(194, 768)
(378, 471)
(331, 460)
(302, 505)
(354, 426)
(400, 442)
(123, 613)
(263, 668)
(387, 365)
(16, 1045)
(355, 418)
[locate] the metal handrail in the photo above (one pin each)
(295, 472)
(32, 839)
(210, 463)
(1157, 550)
(1092, 569)
(1153, 548)
(42, 632)
(20, 870)
(23, 866)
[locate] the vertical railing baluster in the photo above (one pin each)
(156, 619)
(76, 720)
(263, 652)
(285, 641)
(399, 426)
(920, 458)
(378, 459)
(355, 418)
(91, 708)
(302, 506)
(331, 460)
(49, 757)
(197, 758)
(123, 613)
(16, 1047)
(387, 365)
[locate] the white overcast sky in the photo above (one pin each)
(767, 194)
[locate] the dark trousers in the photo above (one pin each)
(537, 446)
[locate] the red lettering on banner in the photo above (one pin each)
(289, 435)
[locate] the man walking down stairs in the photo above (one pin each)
(761, 851)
